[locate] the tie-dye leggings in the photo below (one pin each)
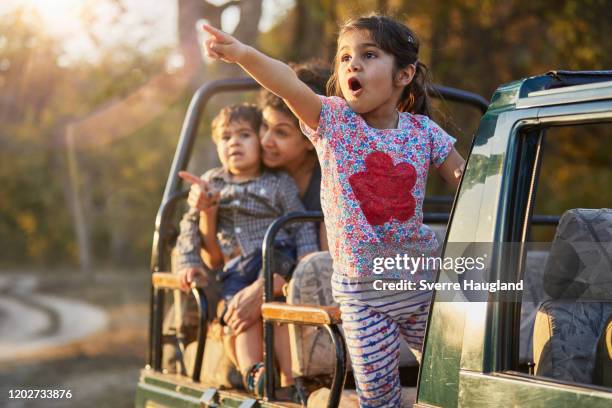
(373, 322)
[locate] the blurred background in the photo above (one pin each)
(92, 98)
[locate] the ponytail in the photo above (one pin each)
(415, 96)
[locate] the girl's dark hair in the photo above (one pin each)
(314, 73)
(398, 40)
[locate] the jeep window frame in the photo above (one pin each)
(527, 141)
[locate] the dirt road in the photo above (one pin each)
(86, 334)
(31, 321)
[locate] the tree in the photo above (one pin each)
(124, 117)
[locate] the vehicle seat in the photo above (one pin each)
(533, 296)
(311, 348)
(578, 279)
(602, 374)
(218, 369)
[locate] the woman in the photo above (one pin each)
(284, 148)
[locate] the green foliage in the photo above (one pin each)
(576, 169)
(474, 45)
(120, 184)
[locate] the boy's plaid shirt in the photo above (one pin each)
(246, 210)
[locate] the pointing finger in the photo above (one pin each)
(193, 179)
(218, 34)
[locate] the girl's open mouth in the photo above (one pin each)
(355, 86)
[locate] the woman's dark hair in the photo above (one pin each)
(398, 40)
(314, 73)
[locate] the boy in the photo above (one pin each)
(231, 208)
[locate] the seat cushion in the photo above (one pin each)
(311, 349)
(580, 261)
(218, 370)
(578, 278)
(565, 338)
(602, 374)
(533, 295)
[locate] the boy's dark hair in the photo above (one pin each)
(398, 40)
(314, 73)
(246, 112)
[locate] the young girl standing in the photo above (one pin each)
(375, 148)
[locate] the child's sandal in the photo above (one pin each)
(255, 387)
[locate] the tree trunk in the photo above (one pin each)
(116, 120)
(309, 30)
(72, 191)
(189, 12)
(382, 6)
(246, 31)
(248, 28)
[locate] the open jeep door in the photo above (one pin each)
(549, 344)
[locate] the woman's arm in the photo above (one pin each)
(452, 168)
(272, 74)
(245, 307)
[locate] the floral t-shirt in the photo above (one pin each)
(373, 185)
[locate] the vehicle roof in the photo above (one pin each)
(553, 88)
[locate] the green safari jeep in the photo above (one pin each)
(545, 343)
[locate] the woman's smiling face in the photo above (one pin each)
(282, 141)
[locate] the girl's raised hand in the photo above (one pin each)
(223, 46)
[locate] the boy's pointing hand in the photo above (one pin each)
(223, 46)
(191, 178)
(201, 195)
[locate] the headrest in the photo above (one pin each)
(580, 262)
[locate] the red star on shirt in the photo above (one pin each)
(384, 190)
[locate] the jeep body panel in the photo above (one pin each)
(467, 348)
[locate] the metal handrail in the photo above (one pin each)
(160, 238)
(158, 309)
(459, 95)
(267, 254)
